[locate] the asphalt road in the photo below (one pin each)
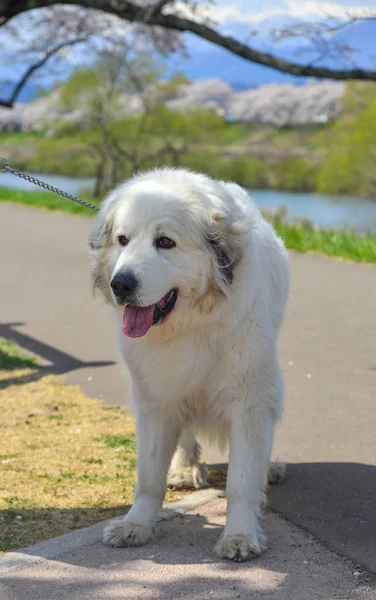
(328, 352)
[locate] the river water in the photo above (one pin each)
(324, 211)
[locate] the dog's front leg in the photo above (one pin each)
(252, 430)
(156, 442)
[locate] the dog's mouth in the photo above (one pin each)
(137, 320)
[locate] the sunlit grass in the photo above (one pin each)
(66, 460)
(12, 357)
(335, 243)
(46, 200)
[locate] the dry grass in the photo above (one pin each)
(66, 460)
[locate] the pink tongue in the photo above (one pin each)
(137, 320)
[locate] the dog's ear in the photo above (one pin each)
(100, 239)
(101, 234)
(225, 241)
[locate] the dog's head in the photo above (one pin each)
(165, 248)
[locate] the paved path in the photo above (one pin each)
(180, 565)
(328, 345)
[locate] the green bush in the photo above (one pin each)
(349, 167)
(61, 156)
(206, 162)
(295, 175)
(248, 172)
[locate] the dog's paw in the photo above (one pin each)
(122, 533)
(192, 477)
(241, 547)
(276, 473)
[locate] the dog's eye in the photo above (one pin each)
(165, 243)
(123, 241)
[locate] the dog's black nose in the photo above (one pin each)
(124, 285)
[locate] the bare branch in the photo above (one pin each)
(136, 13)
(329, 26)
(322, 37)
(156, 8)
(76, 25)
(9, 103)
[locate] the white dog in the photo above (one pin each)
(199, 282)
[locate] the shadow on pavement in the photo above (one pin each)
(314, 497)
(336, 502)
(23, 525)
(60, 362)
(181, 564)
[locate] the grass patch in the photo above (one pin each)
(46, 200)
(20, 137)
(334, 243)
(67, 461)
(55, 477)
(12, 357)
(116, 441)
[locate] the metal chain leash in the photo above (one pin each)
(6, 168)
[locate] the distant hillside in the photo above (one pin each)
(275, 104)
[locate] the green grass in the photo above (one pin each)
(301, 237)
(66, 460)
(115, 441)
(11, 357)
(334, 243)
(15, 138)
(45, 200)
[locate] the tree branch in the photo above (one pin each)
(131, 12)
(9, 103)
(156, 8)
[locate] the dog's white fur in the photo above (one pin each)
(211, 368)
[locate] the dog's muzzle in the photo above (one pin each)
(124, 285)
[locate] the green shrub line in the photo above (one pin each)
(335, 158)
(290, 174)
(300, 236)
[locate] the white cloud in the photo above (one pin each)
(299, 9)
(225, 12)
(235, 14)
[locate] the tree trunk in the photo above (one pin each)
(98, 187)
(113, 174)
